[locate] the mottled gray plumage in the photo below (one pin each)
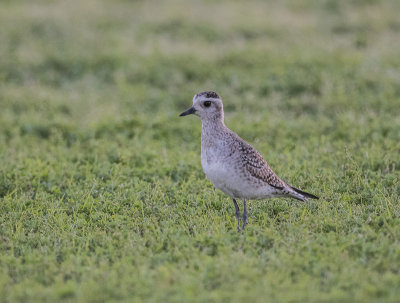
(230, 163)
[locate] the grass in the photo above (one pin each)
(102, 195)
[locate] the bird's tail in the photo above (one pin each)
(302, 195)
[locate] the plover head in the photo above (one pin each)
(207, 106)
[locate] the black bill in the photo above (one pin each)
(190, 111)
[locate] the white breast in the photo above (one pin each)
(223, 165)
(225, 175)
(219, 171)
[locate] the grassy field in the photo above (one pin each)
(102, 195)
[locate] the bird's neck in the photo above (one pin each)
(211, 128)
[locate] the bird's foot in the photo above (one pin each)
(237, 214)
(244, 214)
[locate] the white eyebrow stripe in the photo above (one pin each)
(208, 99)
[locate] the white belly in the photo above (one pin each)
(232, 182)
(221, 177)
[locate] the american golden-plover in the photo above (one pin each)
(231, 164)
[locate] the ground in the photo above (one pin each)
(102, 195)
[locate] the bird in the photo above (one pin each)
(231, 164)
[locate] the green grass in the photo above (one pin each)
(102, 195)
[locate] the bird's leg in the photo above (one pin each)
(244, 214)
(237, 213)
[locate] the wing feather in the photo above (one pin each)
(258, 167)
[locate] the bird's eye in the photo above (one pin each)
(207, 103)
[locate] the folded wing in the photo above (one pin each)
(258, 167)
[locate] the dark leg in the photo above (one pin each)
(244, 214)
(237, 213)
